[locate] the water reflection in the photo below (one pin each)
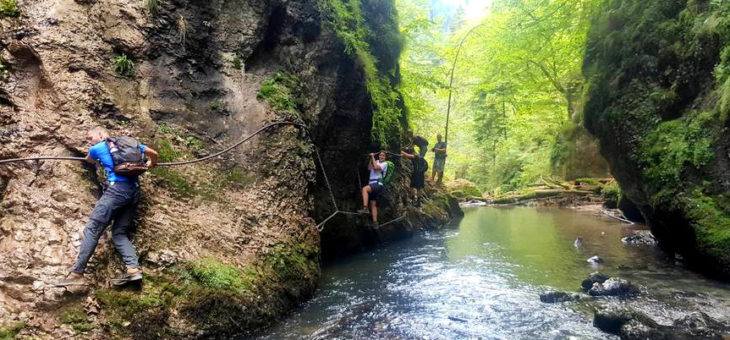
(483, 279)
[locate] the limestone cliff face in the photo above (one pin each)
(229, 245)
(657, 101)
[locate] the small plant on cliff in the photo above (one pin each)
(3, 70)
(123, 66)
(279, 91)
(153, 6)
(9, 8)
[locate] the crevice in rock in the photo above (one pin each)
(3, 186)
(274, 29)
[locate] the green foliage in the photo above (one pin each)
(611, 193)
(174, 180)
(9, 8)
(293, 262)
(236, 62)
(217, 105)
(75, 316)
(142, 313)
(348, 20)
(153, 6)
(711, 222)
(194, 143)
(4, 70)
(463, 189)
(674, 145)
(516, 92)
(10, 331)
(213, 274)
(280, 91)
(123, 66)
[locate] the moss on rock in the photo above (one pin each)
(216, 298)
(657, 100)
(10, 331)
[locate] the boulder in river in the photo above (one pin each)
(595, 277)
(556, 297)
(640, 238)
(631, 324)
(614, 287)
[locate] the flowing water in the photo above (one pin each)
(482, 280)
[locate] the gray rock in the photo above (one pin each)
(631, 324)
(700, 325)
(614, 287)
(595, 259)
(555, 297)
(595, 277)
(640, 238)
(610, 320)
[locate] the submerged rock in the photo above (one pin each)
(614, 287)
(595, 277)
(556, 297)
(595, 260)
(640, 238)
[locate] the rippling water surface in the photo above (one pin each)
(483, 278)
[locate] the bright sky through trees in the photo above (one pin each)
(473, 9)
(516, 112)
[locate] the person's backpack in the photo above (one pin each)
(127, 156)
(389, 173)
(420, 165)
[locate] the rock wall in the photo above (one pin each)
(227, 246)
(658, 102)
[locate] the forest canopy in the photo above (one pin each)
(517, 92)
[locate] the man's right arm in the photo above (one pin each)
(90, 157)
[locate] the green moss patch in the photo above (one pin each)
(347, 19)
(9, 8)
(280, 91)
(219, 299)
(76, 317)
(674, 146)
(10, 331)
(711, 223)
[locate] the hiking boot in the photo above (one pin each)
(132, 274)
(364, 211)
(72, 279)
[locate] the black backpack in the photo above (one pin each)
(127, 156)
(420, 165)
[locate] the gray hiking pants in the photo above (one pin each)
(119, 202)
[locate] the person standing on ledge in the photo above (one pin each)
(439, 161)
(118, 202)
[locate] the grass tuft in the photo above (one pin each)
(123, 66)
(76, 317)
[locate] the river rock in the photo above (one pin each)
(631, 324)
(640, 238)
(614, 287)
(595, 277)
(612, 319)
(594, 260)
(555, 297)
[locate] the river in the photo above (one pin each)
(482, 279)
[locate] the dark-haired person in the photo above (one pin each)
(439, 159)
(371, 193)
(418, 179)
(118, 203)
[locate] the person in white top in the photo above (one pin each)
(371, 193)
